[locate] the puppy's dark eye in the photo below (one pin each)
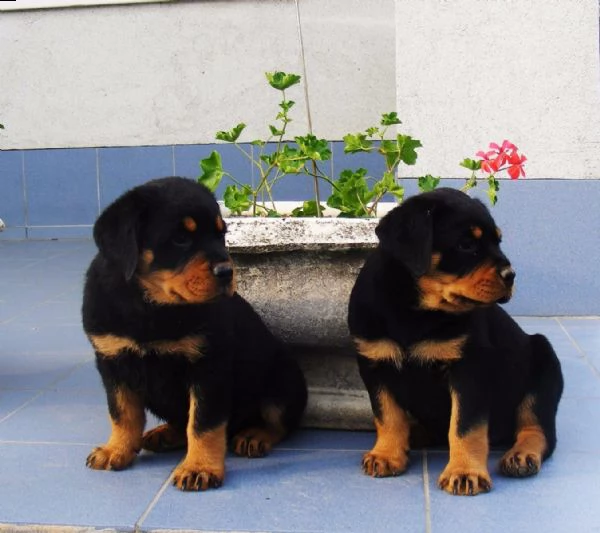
(181, 241)
(467, 246)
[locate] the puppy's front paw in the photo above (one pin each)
(189, 477)
(163, 438)
(377, 464)
(516, 463)
(109, 458)
(253, 443)
(464, 481)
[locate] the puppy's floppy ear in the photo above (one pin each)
(117, 232)
(406, 233)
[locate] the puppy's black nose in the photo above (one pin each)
(223, 272)
(508, 275)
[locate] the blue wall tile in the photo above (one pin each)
(551, 231)
(61, 186)
(12, 199)
(124, 168)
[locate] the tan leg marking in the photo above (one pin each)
(444, 351)
(380, 350)
(525, 457)
(466, 473)
(259, 441)
(163, 438)
(204, 464)
(389, 456)
(126, 437)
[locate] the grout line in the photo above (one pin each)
(173, 163)
(167, 483)
(98, 179)
(583, 353)
(426, 493)
(303, 59)
(25, 202)
(22, 406)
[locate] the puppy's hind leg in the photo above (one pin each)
(281, 409)
(536, 415)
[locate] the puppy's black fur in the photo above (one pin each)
(171, 335)
(439, 356)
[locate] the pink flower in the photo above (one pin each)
(494, 160)
(516, 162)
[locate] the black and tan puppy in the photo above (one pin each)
(171, 335)
(438, 354)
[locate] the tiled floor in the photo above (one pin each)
(52, 411)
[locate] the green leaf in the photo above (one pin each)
(1, 126)
(231, 135)
(237, 199)
(212, 171)
(407, 148)
(388, 185)
(313, 148)
(258, 142)
(351, 194)
(275, 132)
(372, 131)
(308, 209)
(428, 183)
(471, 164)
(282, 81)
(290, 160)
(389, 119)
(286, 105)
(357, 142)
(493, 188)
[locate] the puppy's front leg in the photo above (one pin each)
(127, 418)
(466, 473)
(204, 464)
(389, 456)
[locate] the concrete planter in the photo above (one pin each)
(298, 274)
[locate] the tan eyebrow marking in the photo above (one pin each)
(499, 233)
(190, 224)
(220, 224)
(476, 231)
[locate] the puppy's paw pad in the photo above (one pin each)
(196, 479)
(520, 464)
(252, 443)
(379, 465)
(163, 438)
(105, 458)
(465, 482)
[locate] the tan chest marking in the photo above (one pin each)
(113, 345)
(380, 350)
(440, 351)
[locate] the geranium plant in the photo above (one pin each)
(354, 193)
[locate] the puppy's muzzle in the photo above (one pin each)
(223, 272)
(507, 275)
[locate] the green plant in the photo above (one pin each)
(354, 193)
(302, 157)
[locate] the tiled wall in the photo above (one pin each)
(59, 193)
(551, 227)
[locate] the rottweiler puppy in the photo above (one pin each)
(439, 356)
(172, 336)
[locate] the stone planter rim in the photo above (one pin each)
(261, 235)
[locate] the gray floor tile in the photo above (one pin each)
(562, 497)
(49, 484)
(316, 491)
